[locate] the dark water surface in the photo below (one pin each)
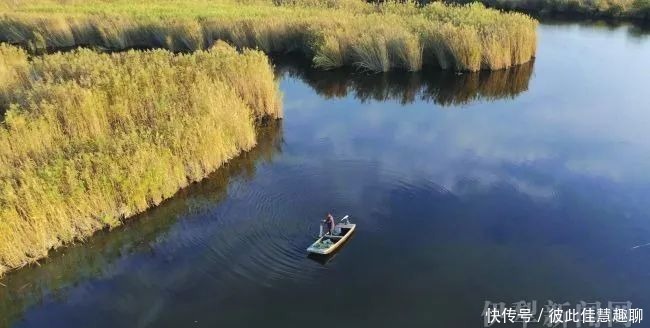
(527, 184)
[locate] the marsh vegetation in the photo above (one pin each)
(557, 171)
(89, 139)
(69, 266)
(373, 37)
(633, 9)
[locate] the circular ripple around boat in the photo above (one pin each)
(277, 217)
(265, 244)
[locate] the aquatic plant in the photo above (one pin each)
(90, 139)
(334, 33)
(69, 266)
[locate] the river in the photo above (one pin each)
(528, 184)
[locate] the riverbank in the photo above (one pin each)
(69, 266)
(373, 37)
(638, 10)
(91, 139)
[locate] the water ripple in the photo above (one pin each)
(255, 239)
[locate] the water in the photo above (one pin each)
(530, 184)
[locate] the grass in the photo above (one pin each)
(332, 33)
(90, 139)
(633, 9)
(69, 266)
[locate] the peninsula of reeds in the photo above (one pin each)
(375, 37)
(90, 139)
(69, 266)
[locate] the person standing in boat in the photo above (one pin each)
(329, 223)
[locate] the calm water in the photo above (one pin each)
(528, 184)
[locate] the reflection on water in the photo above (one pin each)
(99, 256)
(638, 29)
(440, 87)
(542, 196)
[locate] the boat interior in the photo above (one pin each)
(334, 238)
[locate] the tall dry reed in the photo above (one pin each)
(75, 264)
(375, 37)
(90, 139)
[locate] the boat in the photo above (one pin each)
(326, 243)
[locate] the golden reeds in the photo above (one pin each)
(89, 139)
(375, 37)
(69, 266)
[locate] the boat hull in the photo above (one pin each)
(337, 240)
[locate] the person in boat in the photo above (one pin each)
(329, 224)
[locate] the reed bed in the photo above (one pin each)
(69, 266)
(90, 139)
(332, 33)
(633, 9)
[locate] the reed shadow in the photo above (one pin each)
(441, 87)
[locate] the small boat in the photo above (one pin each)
(327, 244)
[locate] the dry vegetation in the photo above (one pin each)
(636, 9)
(69, 266)
(334, 33)
(89, 139)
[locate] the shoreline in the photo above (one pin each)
(369, 37)
(90, 139)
